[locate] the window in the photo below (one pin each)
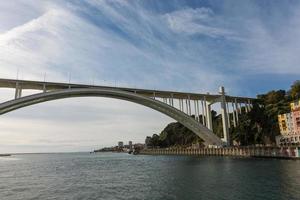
(284, 127)
(298, 122)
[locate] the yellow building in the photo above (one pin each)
(289, 124)
(282, 120)
(295, 105)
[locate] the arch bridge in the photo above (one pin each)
(193, 110)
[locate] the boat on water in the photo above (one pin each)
(6, 154)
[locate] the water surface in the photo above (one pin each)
(123, 176)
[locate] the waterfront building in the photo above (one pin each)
(289, 124)
(286, 124)
(130, 145)
(295, 111)
(120, 144)
(295, 105)
(147, 142)
(296, 121)
(139, 146)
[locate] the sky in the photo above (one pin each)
(249, 46)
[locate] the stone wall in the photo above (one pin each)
(272, 152)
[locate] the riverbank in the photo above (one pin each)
(5, 155)
(265, 152)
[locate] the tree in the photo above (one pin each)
(255, 127)
(175, 134)
(295, 90)
(272, 97)
(154, 141)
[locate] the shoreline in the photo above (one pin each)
(246, 152)
(5, 155)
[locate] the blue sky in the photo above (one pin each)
(249, 47)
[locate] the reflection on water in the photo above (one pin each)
(9, 158)
(122, 176)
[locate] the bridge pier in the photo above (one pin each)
(186, 106)
(189, 102)
(228, 114)
(249, 105)
(233, 115)
(236, 111)
(198, 111)
(224, 117)
(195, 110)
(179, 104)
(18, 91)
(246, 107)
(203, 113)
(240, 108)
(44, 88)
(208, 116)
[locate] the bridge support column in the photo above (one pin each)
(179, 104)
(187, 107)
(165, 100)
(236, 111)
(18, 91)
(195, 110)
(246, 107)
(208, 116)
(198, 110)
(203, 111)
(44, 88)
(249, 105)
(224, 117)
(189, 102)
(228, 114)
(233, 115)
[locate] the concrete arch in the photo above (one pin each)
(207, 135)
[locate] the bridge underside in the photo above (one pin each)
(203, 132)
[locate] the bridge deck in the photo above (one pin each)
(39, 85)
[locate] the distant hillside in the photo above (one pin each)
(175, 134)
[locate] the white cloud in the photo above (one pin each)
(267, 51)
(196, 21)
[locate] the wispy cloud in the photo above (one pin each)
(196, 21)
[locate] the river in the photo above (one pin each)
(121, 176)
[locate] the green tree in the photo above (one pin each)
(255, 127)
(295, 90)
(155, 142)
